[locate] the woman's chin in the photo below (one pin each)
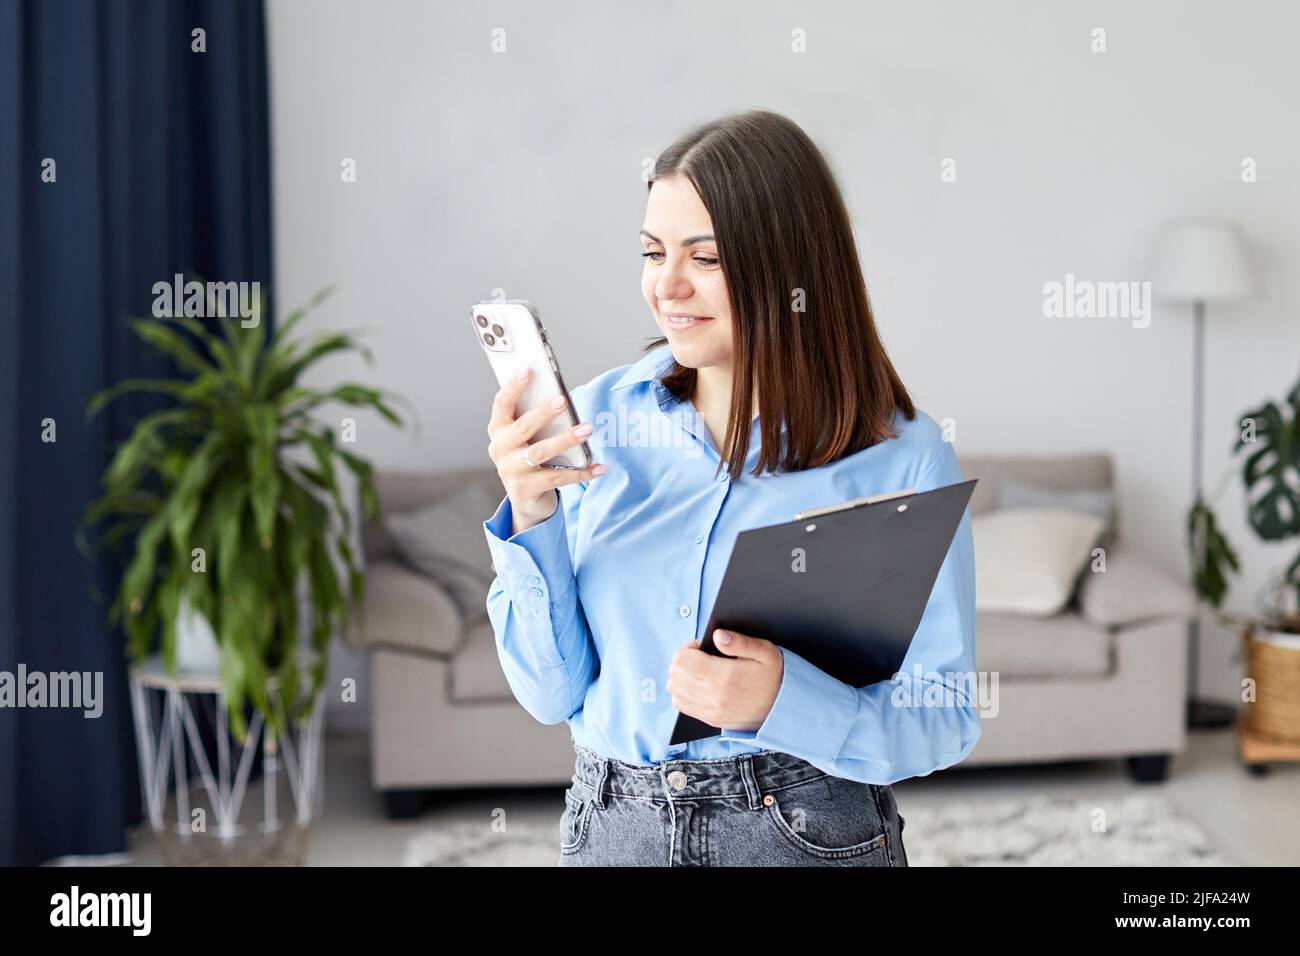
(691, 354)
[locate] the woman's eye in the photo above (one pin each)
(651, 256)
(705, 261)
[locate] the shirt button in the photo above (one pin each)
(684, 610)
(535, 592)
(534, 579)
(699, 539)
(677, 780)
(724, 478)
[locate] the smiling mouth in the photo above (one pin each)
(677, 322)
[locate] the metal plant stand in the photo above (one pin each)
(207, 817)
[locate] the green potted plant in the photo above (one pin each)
(1270, 437)
(233, 496)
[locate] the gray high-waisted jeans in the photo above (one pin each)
(762, 809)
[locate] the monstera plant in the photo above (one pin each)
(232, 496)
(1270, 438)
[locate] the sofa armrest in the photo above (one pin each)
(406, 610)
(1132, 589)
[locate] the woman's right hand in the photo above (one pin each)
(531, 490)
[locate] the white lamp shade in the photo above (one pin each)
(1201, 260)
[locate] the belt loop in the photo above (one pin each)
(602, 774)
(751, 782)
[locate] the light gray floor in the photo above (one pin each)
(1250, 819)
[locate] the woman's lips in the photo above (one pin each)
(680, 322)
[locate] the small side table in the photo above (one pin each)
(168, 709)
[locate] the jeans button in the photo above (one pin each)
(677, 780)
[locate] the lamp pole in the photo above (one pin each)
(1201, 714)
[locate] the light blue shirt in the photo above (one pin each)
(590, 605)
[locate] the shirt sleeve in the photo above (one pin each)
(542, 636)
(925, 718)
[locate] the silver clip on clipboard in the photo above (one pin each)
(854, 503)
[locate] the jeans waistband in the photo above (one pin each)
(749, 775)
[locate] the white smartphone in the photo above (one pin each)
(512, 335)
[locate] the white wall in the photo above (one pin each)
(521, 170)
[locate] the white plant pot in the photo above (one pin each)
(196, 643)
(1283, 639)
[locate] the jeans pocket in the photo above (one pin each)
(829, 817)
(578, 802)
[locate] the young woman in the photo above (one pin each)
(768, 392)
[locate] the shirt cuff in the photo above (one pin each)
(533, 566)
(811, 716)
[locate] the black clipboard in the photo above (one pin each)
(869, 566)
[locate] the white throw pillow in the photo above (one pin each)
(1028, 560)
(444, 541)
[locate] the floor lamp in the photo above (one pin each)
(1200, 261)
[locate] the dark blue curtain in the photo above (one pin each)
(162, 166)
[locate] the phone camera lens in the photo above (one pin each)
(482, 321)
(487, 337)
(499, 331)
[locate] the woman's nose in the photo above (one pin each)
(673, 283)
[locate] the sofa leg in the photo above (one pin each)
(1149, 768)
(403, 804)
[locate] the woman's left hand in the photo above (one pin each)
(735, 692)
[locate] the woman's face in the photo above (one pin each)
(682, 280)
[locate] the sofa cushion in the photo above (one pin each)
(444, 541)
(409, 490)
(1085, 471)
(1017, 492)
(1015, 646)
(476, 674)
(404, 609)
(1028, 560)
(1133, 588)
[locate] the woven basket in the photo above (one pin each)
(1273, 661)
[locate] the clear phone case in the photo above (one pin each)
(513, 337)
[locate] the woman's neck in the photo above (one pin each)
(712, 394)
(712, 399)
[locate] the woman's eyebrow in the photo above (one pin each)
(686, 242)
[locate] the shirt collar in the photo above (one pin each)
(647, 368)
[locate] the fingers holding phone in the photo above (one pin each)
(537, 442)
(529, 486)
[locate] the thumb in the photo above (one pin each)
(737, 645)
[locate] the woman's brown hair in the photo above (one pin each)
(785, 245)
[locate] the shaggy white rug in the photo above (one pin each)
(1135, 830)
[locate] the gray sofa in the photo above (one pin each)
(1104, 679)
